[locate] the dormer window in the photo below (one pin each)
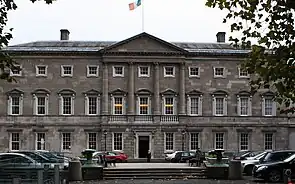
(243, 73)
(118, 71)
(16, 70)
(92, 71)
(219, 72)
(66, 71)
(194, 71)
(169, 71)
(41, 70)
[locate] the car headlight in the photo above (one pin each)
(261, 168)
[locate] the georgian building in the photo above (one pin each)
(134, 95)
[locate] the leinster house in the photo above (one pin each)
(135, 95)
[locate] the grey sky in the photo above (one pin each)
(111, 20)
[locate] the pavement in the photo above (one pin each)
(149, 165)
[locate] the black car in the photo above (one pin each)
(183, 156)
(273, 171)
(276, 156)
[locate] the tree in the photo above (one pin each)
(267, 29)
(6, 62)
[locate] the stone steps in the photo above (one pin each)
(143, 160)
(154, 173)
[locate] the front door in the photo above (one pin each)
(143, 146)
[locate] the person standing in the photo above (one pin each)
(149, 156)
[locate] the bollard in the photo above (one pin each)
(287, 176)
(56, 174)
(16, 181)
(75, 171)
(235, 170)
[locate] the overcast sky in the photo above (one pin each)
(111, 20)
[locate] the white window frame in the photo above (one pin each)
(88, 140)
(192, 67)
(243, 76)
(123, 104)
(143, 75)
(67, 75)
(149, 105)
(61, 108)
(190, 141)
(16, 75)
(249, 110)
(240, 141)
(224, 105)
(10, 141)
(274, 106)
(37, 141)
(87, 104)
(9, 110)
(38, 71)
(113, 141)
(118, 75)
(164, 105)
(223, 141)
(92, 75)
(62, 141)
(200, 107)
(219, 76)
(35, 99)
(165, 68)
(165, 142)
(273, 140)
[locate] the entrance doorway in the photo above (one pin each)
(143, 146)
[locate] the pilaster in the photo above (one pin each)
(182, 89)
(105, 90)
(131, 103)
(156, 89)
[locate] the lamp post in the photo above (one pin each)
(183, 134)
(105, 140)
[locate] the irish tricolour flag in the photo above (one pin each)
(134, 5)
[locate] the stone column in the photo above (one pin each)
(157, 102)
(105, 89)
(131, 103)
(182, 89)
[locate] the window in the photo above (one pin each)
(169, 141)
(16, 70)
(67, 105)
(219, 72)
(195, 106)
(268, 107)
(268, 141)
(41, 105)
(40, 141)
(169, 106)
(92, 71)
(66, 141)
(194, 141)
(244, 105)
(41, 70)
(15, 105)
(194, 72)
(118, 141)
(92, 104)
(92, 141)
(219, 140)
(143, 105)
(243, 73)
(169, 71)
(219, 106)
(118, 104)
(144, 71)
(66, 71)
(244, 142)
(14, 142)
(118, 71)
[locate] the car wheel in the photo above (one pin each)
(274, 176)
(248, 170)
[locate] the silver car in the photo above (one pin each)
(251, 162)
(17, 160)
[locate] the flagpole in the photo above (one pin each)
(142, 15)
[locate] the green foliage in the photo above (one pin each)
(6, 62)
(270, 23)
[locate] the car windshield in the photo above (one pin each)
(276, 156)
(241, 153)
(259, 155)
(36, 157)
(289, 159)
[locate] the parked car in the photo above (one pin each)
(17, 160)
(170, 156)
(53, 156)
(273, 171)
(183, 156)
(245, 154)
(116, 155)
(250, 162)
(276, 156)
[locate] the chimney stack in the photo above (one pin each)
(220, 37)
(64, 34)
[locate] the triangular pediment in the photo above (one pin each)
(14, 91)
(118, 92)
(145, 42)
(168, 92)
(92, 92)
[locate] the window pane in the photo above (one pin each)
(67, 105)
(40, 141)
(194, 71)
(41, 105)
(92, 70)
(92, 140)
(118, 141)
(194, 141)
(244, 141)
(92, 105)
(219, 141)
(268, 106)
(143, 105)
(268, 141)
(67, 70)
(169, 142)
(66, 141)
(219, 106)
(118, 105)
(194, 105)
(169, 105)
(244, 105)
(15, 141)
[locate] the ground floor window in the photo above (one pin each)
(268, 141)
(14, 141)
(40, 141)
(118, 141)
(244, 141)
(219, 140)
(169, 141)
(92, 141)
(66, 141)
(194, 141)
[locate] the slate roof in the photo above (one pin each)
(95, 46)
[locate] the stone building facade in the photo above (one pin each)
(134, 95)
